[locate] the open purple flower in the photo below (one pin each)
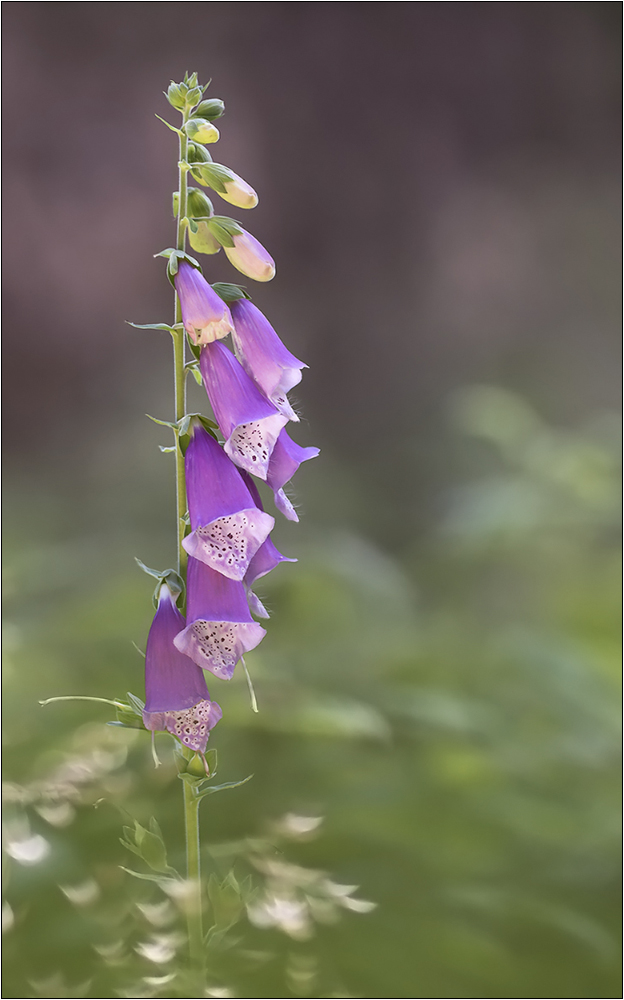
(264, 356)
(205, 315)
(286, 458)
(265, 559)
(249, 422)
(176, 696)
(220, 628)
(228, 527)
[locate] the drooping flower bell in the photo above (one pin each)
(219, 627)
(266, 558)
(228, 527)
(250, 423)
(250, 257)
(263, 355)
(176, 696)
(205, 315)
(286, 458)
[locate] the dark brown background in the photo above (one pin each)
(439, 185)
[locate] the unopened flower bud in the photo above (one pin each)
(249, 257)
(197, 204)
(238, 192)
(193, 95)
(200, 130)
(202, 239)
(209, 110)
(197, 154)
(176, 95)
(205, 316)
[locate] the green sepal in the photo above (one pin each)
(174, 258)
(198, 205)
(215, 175)
(136, 704)
(193, 368)
(229, 292)
(149, 845)
(194, 93)
(210, 109)
(223, 229)
(185, 423)
(169, 576)
(226, 900)
(195, 349)
(166, 450)
(172, 127)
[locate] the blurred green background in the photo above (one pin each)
(439, 682)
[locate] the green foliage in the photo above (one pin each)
(452, 711)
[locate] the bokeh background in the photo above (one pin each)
(439, 185)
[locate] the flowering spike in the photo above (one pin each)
(249, 256)
(248, 421)
(206, 317)
(286, 458)
(177, 699)
(227, 526)
(220, 627)
(264, 356)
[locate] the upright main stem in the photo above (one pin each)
(191, 803)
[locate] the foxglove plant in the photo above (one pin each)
(223, 530)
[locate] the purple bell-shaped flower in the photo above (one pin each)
(263, 355)
(176, 696)
(249, 422)
(286, 458)
(219, 627)
(228, 527)
(265, 559)
(205, 315)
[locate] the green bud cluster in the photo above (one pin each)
(207, 232)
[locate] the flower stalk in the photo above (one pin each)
(191, 802)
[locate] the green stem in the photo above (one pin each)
(191, 803)
(178, 356)
(193, 874)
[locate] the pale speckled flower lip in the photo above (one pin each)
(263, 355)
(249, 422)
(228, 527)
(176, 697)
(286, 458)
(219, 627)
(205, 315)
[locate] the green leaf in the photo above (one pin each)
(162, 880)
(172, 127)
(163, 423)
(152, 326)
(156, 573)
(229, 292)
(213, 789)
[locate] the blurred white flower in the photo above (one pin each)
(83, 894)
(29, 851)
